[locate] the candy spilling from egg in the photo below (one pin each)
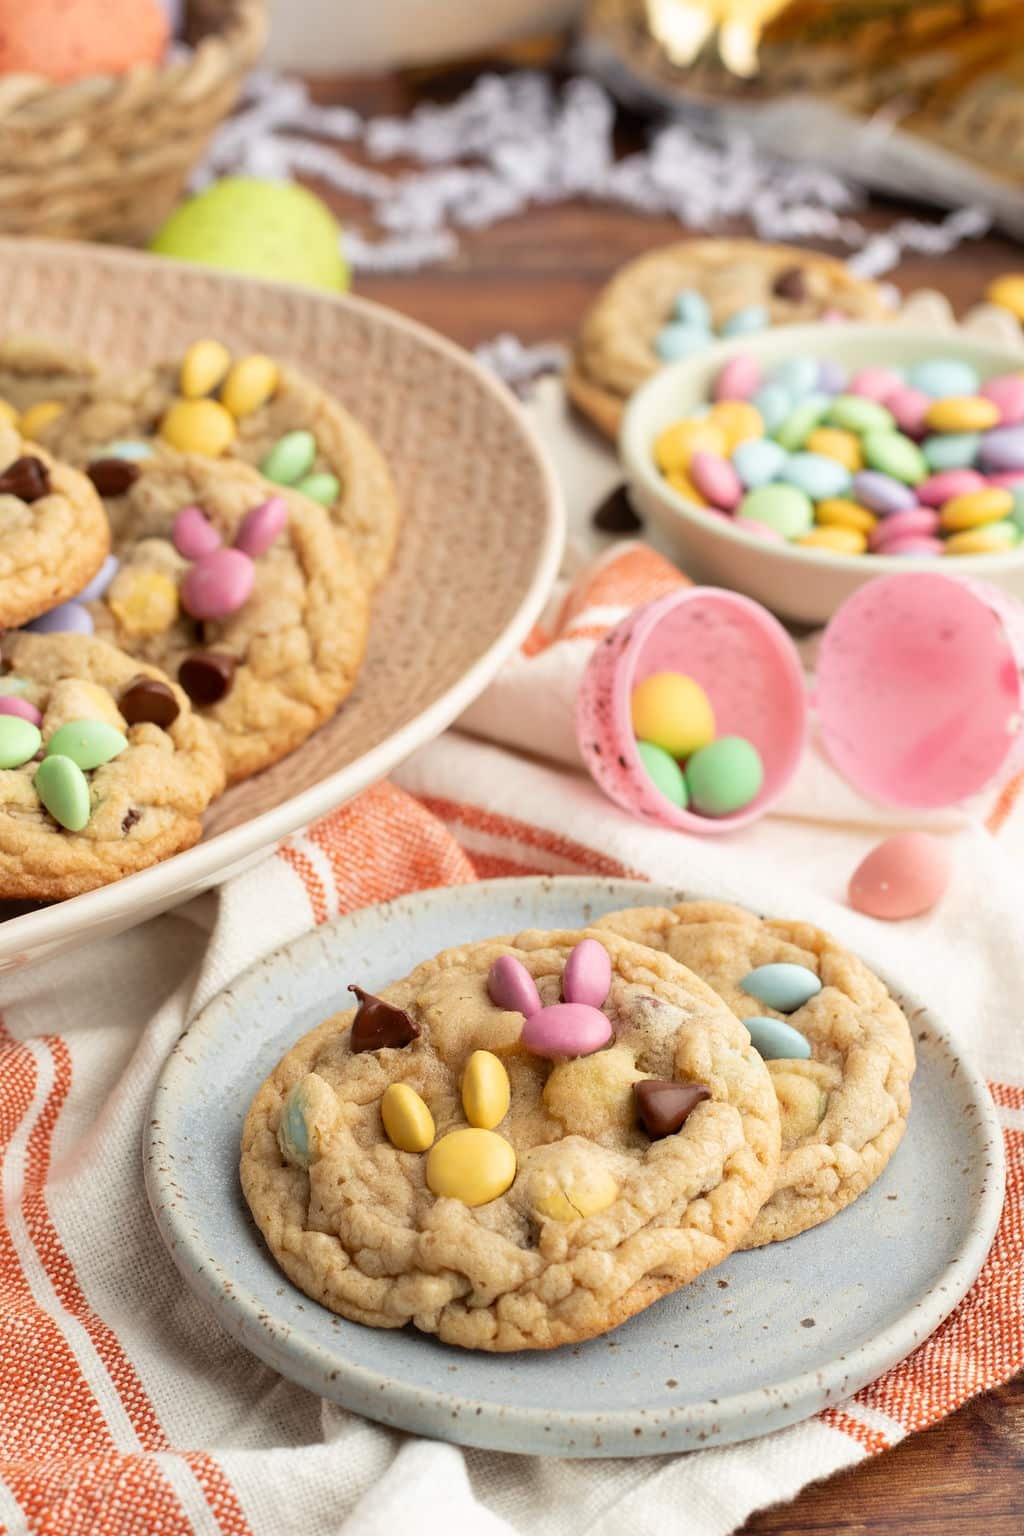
(920, 462)
(676, 741)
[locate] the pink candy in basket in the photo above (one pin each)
(919, 695)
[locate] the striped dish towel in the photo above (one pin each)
(125, 1410)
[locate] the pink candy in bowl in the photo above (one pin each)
(745, 662)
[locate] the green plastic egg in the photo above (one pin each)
(262, 228)
(724, 777)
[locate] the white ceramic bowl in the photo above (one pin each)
(806, 585)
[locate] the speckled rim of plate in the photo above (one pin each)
(451, 1415)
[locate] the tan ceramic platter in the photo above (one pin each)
(480, 541)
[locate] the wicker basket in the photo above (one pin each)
(106, 158)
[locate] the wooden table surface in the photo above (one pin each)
(534, 275)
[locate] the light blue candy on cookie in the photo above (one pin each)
(678, 340)
(692, 309)
(745, 322)
(783, 986)
(775, 1040)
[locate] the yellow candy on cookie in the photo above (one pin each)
(202, 368)
(250, 383)
(471, 1165)
(486, 1092)
(39, 416)
(407, 1119)
(143, 602)
(572, 1193)
(198, 426)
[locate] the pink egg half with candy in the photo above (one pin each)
(193, 535)
(217, 584)
(260, 527)
(566, 1029)
(902, 877)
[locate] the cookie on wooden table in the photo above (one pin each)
(732, 283)
(842, 1051)
(106, 769)
(468, 1154)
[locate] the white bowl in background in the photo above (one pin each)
(802, 584)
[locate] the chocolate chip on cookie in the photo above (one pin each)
(206, 676)
(379, 1025)
(112, 477)
(146, 699)
(27, 478)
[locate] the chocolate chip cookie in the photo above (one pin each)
(248, 407)
(106, 769)
(243, 591)
(845, 1098)
(469, 1154)
(727, 280)
(53, 531)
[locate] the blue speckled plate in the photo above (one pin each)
(765, 1339)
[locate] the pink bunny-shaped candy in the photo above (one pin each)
(573, 1028)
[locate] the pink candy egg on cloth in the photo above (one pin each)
(217, 584)
(903, 877)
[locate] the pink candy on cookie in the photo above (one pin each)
(217, 584)
(193, 535)
(260, 527)
(573, 1028)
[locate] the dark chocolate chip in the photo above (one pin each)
(663, 1107)
(112, 477)
(792, 284)
(27, 478)
(148, 699)
(130, 817)
(379, 1025)
(206, 676)
(615, 514)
